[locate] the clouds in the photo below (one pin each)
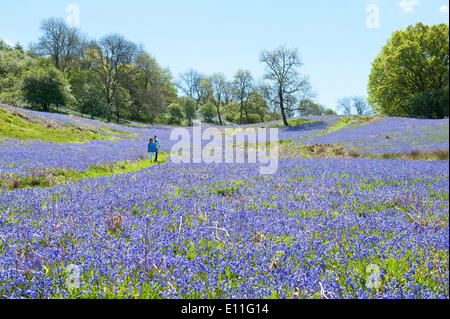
(444, 9)
(408, 5)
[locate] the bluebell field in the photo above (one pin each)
(224, 231)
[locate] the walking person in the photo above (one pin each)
(156, 141)
(151, 150)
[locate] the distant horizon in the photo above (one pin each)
(337, 42)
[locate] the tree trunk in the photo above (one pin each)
(246, 113)
(218, 114)
(117, 114)
(282, 109)
(240, 119)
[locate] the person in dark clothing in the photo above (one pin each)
(156, 141)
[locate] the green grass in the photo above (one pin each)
(17, 125)
(291, 122)
(116, 168)
(51, 177)
(346, 121)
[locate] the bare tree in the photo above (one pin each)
(228, 92)
(242, 86)
(345, 105)
(59, 41)
(189, 83)
(360, 104)
(282, 70)
(215, 87)
(109, 59)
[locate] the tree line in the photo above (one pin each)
(112, 77)
(116, 79)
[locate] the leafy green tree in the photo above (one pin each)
(80, 78)
(109, 58)
(215, 89)
(175, 114)
(307, 107)
(13, 63)
(188, 106)
(329, 112)
(19, 47)
(149, 86)
(231, 111)
(413, 61)
(92, 101)
(4, 45)
(44, 85)
(242, 86)
(257, 107)
(208, 111)
(431, 104)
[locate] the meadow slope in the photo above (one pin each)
(335, 221)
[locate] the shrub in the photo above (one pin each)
(175, 114)
(44, 85)
(431, 104)
(208, 111)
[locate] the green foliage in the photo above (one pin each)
(4, 45)
(329, 112)
(431, 103)
(110, 78)
(188, 106)
(308, 107)
(208, 111)
(92, 101)
(13, 63)
(414, 61)
(242, 86)
(231, 112)
(150, 88)
(44, 85)
(257, 108)
(175, 114)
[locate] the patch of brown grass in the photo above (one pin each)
(114, 222)
(52, 124)
(441, 154)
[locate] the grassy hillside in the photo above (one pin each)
(19, 125)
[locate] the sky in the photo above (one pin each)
(337, 40)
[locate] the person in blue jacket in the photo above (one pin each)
(156, 141)
(151, 149)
